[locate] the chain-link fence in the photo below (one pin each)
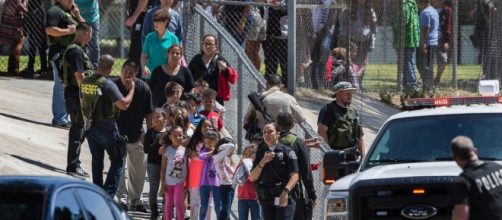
(113, 36)
(372, 40)
(202, 22)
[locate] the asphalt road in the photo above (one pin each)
(29, 145)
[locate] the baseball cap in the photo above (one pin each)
(343, 86)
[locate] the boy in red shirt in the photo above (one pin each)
(208, 100)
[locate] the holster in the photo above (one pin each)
(269, 192)
(118, 150)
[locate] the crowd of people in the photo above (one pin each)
(427, 35)
(184, 150)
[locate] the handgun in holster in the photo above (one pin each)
(118, 150)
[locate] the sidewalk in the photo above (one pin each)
(29, 145)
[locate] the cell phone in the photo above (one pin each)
(276, 201)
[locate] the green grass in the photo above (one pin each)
(384, 76)
(23, 63)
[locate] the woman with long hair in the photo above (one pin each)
(213, 68)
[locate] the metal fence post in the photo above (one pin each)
(400, 48)
(454, 46)
(122, 31)
(240, 109)
(291, 46)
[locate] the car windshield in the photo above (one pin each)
(422, 139)
(17, 205)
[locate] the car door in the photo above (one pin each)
(96, 206)
(66, 206)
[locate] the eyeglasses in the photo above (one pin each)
(209, 45)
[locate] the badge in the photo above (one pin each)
(280, 155)
(292, 155)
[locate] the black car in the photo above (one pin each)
(50, 197)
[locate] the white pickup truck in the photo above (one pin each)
(408, 171)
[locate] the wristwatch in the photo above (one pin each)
(286, 190)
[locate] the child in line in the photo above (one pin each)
(210, 182)
(152, 143)
(194, 101)
(225, 168)
(246, 193)
(195, 145)
(200, 87)
(208, 100)
(173, 92)
(174, 173)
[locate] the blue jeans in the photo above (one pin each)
(101, 137)
(204, 200)
(227, 197)
(319, 54)
(409, 75)
(93, 45)
(60, 116)
(246, 206)
(426, 66)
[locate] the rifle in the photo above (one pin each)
(88, 122)
(256, 101)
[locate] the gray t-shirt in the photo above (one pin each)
(176, 171)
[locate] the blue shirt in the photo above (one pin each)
(175, 26)
(430, 18)
(156, 48)
(89, 9)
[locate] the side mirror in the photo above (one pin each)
(335, 166)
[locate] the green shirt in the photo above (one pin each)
(156, 48)
(411, 25)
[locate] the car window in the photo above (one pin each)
(66, 207)
(422, 139)
(21, 205)
(96, 206)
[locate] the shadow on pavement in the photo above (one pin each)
(38, 163)
(25, 120)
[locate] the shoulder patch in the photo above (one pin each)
(292, 155)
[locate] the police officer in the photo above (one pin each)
(339, 124)
(304, 202)
(480, 195)
(76, 66)
(100, 100)
(60, 27)
(275, 173)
